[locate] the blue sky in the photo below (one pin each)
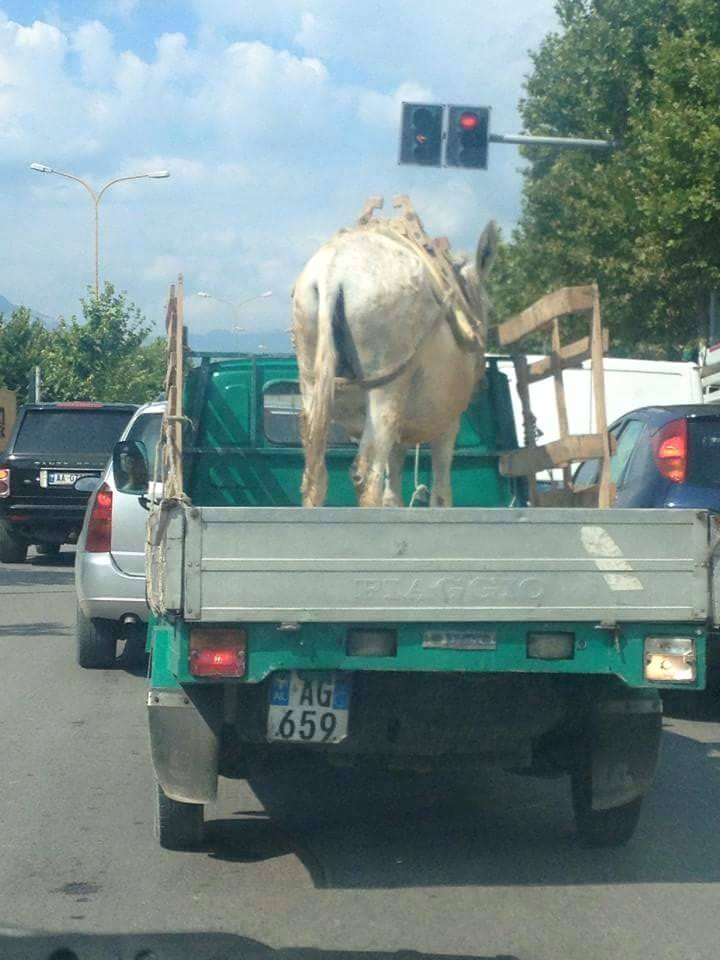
(276, 119)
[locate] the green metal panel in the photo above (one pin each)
(232, 461)
(322, 647)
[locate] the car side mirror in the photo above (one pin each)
(87, 484)
(131, 467)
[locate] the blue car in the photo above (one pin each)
(668, 457)
(664, 457)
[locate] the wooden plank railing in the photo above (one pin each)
(544, 314)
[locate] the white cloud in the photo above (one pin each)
(276, 121)
(384, 108)
(93, 44)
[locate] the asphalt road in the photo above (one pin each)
(315, 864)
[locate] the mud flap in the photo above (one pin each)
(184, 747)
(624, 746)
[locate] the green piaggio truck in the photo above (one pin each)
(536, 639)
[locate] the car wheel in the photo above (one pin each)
(48, 549)
(12, 549)
(96, 641)
(602, 828)
(178, 826)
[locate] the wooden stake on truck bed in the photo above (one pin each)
(569, 448)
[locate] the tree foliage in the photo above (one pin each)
(643, 220)
(104, 356)
(22, 342)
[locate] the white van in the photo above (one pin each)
(629, 384)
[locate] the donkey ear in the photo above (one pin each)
(486, 250)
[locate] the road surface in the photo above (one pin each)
(326, 865)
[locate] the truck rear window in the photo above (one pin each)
(59, 432)
(281, 416)
(704, 449)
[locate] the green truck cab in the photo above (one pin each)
(487, 633)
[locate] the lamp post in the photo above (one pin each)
(235, 307)
(97, 196)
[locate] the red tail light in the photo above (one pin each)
(217, 662)
(670, 446)
(4, 482)
(99, 528)
(218, 652)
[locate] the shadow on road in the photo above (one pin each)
(182, 946)
(39, 571)
(355, 829)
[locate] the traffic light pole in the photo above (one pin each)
(526, 140)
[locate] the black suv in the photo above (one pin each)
(52, 445)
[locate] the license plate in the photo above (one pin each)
(62, 479)
(309, 707)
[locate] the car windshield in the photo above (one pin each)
(58, 433)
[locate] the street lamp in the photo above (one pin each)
(97, 197)
(235, 307)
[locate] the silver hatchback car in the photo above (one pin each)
(110, 559)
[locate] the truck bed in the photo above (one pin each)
(255, 564)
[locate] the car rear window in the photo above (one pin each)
(704, 449)
(59, 432)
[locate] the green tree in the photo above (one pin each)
(105, 356)
(22, 342)
(643, 220)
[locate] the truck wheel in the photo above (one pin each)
(96, 642)
(602, 828)
(178, 826)
(12, 550)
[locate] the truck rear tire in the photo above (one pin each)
(12, 550)
(602, 828)
(96, 642)
(178, 826)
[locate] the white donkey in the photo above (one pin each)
(377, 354)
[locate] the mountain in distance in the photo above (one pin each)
(249, 341)
(6, 308)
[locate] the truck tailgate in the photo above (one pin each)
(289, 564)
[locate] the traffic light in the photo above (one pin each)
(467, 137)
(421, 134)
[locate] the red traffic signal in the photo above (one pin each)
(467, 137)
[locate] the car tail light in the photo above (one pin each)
(218, 652)
(670, 445)
(99, 529)
(4, 482)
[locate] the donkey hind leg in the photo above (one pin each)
(392, 497)
(442, 456)
(384, 413)
(363, 458)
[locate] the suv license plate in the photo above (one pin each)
(309, 707)
(62, 479)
